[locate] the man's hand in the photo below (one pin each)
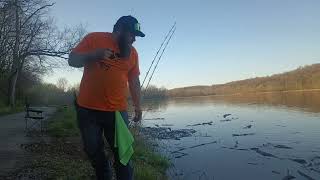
(138, 115)
(135, 90)
(102, 54)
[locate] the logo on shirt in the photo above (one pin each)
(104, 66)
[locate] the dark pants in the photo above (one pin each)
(93, 124)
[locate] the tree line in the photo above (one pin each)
(302, 78)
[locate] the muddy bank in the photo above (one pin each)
(166, 133)
(51, 158)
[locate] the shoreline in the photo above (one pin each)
(58, 154)
(247, 93)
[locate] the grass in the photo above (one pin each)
(5, 110)
(148, 165)
(63, 123)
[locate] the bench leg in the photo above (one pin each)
(26, 128)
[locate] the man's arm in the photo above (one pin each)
(135, 91)
(80, 59)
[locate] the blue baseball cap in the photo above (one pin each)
(129, 24)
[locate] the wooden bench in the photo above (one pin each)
(34, 119)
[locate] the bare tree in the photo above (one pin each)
(29, 36)
(5, 30)
(62, 84)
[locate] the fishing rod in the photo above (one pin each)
(155, 67)
(160, 57)
(165, 39)
(164, 42)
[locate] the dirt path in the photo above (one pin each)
(12, 135)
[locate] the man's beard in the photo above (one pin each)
(124, 47)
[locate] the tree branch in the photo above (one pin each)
(48, 53)
(35, 12)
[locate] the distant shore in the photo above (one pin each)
(237, 94)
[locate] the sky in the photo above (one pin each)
(215, 41)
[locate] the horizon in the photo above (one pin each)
(197, 85)
(266, 37)
(248, 78)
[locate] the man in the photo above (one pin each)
(110, 64)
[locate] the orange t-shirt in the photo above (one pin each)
(104, 84)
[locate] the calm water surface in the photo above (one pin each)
(284, 136)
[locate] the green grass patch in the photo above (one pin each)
(5, 110)
(63, 123)
(148, 165)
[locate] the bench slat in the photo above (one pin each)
(34, 117)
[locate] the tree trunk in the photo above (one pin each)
(12, 88)
(16, 61)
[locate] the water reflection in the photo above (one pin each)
(305, 101)
(155, 105)
(283, 135)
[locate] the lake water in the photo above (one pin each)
(267, 136)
